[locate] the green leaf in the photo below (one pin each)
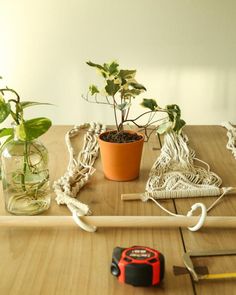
(111, 87)
(164, 127)
(111, 68)
(5, 110)
(179, 124)
(173, 111)
(91, 64)
(132, 93)
(138, 86)
(93, 89)
(102, 70)
(31, 129)
(149, 103)
(26, 104)
(6, 132)
(127, 74)
(174, 114)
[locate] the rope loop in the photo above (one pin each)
(202, 216)
(82, 224)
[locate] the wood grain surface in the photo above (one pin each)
(70, 261)
(209, 143)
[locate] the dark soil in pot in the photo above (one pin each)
(120, 137)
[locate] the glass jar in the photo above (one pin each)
(25, 177)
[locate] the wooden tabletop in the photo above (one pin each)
(71, 261)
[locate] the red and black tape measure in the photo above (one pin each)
(138, 265)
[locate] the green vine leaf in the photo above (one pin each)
(131, 93)
(150, 104)
(26, 104)
(111, 68)
(32, 129)
(6, 132)
(111, 87)
(127, 74)
(5, 109)
(173, 111)
(179, 124)
(101, 69)
(174, 114)
(138, 86)
(93, 89)
(91, 64)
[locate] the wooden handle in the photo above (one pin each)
(116, 221)
(138, 196)
(131, 197)
(233, 191)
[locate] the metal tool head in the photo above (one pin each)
(197, 277)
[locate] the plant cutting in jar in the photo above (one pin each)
(24, 160)
(119, 90)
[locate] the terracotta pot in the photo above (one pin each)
(121, 161)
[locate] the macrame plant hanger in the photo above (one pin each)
(79, 170)
(175, 174)
(175, 157)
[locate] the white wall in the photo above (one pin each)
(184, 51)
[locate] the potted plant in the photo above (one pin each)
(121, 149)
(24, 160)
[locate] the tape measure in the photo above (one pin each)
(138, 266)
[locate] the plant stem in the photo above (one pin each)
(148, 112)
(13, 91)
(127, 111)
(96, 100)
(15, 116)
(114, 109)
(24, 166)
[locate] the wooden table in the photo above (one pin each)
(71, 261)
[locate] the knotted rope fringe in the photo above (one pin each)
(175, 171)
(231, 133)
(175, 175)
(79, 170)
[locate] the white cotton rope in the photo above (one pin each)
(231, 133)
(175, 175)
(175, 169)
(79, 170)
(190, 213)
